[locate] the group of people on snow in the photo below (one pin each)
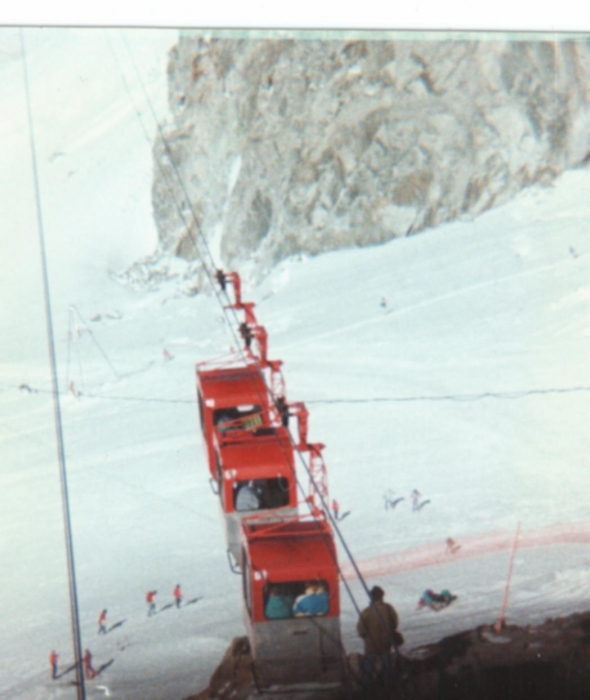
(89, 671)
(418, 502)
(150, 599)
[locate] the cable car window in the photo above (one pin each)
(296, 599)
(261, 494)
(237, 418)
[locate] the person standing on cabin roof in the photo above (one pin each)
(377, 625)
(150, 599)
(53, 661)
(102, 622)
(178, 595)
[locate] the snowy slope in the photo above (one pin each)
(471, 385)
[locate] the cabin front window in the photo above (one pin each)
(237, 418)
(296, 599)
(261, 494)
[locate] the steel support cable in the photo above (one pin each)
(228, 306)
(173, 165)
(180, 180)
(210, 273)
(509, 395)
(76, 636)
(514, 394)
(235, 316)
(210, 276)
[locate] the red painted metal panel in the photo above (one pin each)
(295, 550)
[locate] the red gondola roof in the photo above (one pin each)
(248, 450)
(291, 550)
(232, 386)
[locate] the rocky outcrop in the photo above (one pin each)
(543, 662)
(287, 145)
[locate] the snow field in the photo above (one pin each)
(472, 386)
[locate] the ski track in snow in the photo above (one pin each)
(351, 328)
(470, 546)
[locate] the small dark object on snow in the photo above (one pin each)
(436, 601)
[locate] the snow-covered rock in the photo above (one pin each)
(305, 145)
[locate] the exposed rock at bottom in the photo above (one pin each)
(546, 662)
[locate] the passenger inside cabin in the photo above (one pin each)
(315, 601)
(279, 604)
(226, 419)
(237, 418)
(303, 599)
(247, 497)
(261, 494)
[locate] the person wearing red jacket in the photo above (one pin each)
(150, 599)
(53, 661)
(88, 670)
(177, 595)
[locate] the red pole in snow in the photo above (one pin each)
(500, 621)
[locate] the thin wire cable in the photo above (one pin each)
(210, 275)
(460, 398)
(168, 178)
(76, 636)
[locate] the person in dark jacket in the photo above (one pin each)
(377, 626)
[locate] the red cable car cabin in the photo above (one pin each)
(229, 392)
(291, 601)
(255, 472)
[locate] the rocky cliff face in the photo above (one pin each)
(305, 145)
